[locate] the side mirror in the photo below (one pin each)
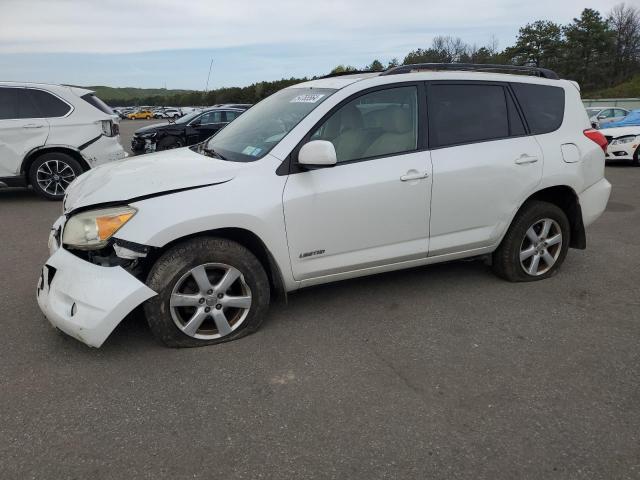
(318, 154)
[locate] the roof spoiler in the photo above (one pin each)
(475, 67)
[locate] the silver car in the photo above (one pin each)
(601, 115)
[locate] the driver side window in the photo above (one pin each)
(384, 122)
(211, 117)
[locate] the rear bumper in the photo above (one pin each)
(593, 201)
(105, 150)
(87, 301)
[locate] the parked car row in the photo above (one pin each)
(188, 130)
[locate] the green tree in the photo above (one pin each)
(375, 66)
(538, 44)
(588, 47)
(343, 69)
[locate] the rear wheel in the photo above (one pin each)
(50, 174)
(210, 290)
(535, 245)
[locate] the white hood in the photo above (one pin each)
(146, 175)
(616, 132)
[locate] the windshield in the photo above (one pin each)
(253, 134)
(188, 118)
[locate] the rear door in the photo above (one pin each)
(484, 163)
(22, 129)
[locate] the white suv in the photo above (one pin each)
(50, 134)
(326, 180)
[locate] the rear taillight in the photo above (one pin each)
(110, 128)
(598, 137)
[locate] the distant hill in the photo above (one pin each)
(628, 89)
(121, 96)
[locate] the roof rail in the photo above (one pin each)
(349, 72)
(480, 67)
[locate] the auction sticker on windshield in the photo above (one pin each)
(307, 98)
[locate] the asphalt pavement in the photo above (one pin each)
(441, 372)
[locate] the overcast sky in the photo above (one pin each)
(158, 43)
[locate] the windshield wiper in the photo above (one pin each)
(210, 152)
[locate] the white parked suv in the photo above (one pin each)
(50, 134)
(326, 180)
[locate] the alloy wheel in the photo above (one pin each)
(54, 176)
(210, 301)
(541, 247)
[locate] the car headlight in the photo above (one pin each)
(627, 139)
(92, 230)
(147, 135)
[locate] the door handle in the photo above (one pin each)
(413, 175)
(525, 159)
(32, 125)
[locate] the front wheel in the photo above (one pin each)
(50, 174)
(636, 158)
(168, 143)
(535, 245)
(210, 290)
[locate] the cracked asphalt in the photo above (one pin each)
(442, 372)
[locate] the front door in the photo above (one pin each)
(372, 208)
(206, 126)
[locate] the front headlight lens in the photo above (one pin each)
(623, 140)
(92, 230)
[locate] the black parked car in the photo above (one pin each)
(188, 130)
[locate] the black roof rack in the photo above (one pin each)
(478, 67)
(351, 72)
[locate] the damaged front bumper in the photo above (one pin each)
(84, 300)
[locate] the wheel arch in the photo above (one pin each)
(253, 243)
(565, 198)
(37, 152)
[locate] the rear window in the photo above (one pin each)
(543, 106)
(467, 113)
(94, 101)
(47, 104)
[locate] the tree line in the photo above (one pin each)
(595, 50)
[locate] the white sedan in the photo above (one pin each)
(624, 143)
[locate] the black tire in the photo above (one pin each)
(169, 143)
(636, 158)
(64, 163)
(177, 262)
(506, 261)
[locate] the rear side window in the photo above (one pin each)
(467, 113)
(9, 107)
(231, 115)
(543, 106)
(94, 101)
(48, 105)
